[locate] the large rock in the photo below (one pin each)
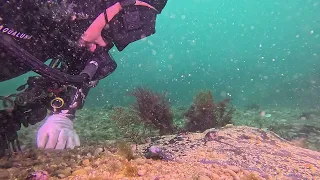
(247, 148)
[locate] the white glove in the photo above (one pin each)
(57, 133)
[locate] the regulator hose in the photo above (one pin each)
(39, 67)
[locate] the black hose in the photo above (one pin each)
(39, 67)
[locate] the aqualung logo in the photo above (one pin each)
(14, 33)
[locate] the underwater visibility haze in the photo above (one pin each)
(265, 52)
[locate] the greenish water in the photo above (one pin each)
(263, 52)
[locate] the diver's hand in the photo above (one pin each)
(92, 36)
(57, 133)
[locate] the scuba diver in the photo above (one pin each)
(75, 38)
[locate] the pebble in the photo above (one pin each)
(80, 172)
(61, 176)
(106, 174)
(140, 161)
(65, 172)
(228, 126)
(97, 162)
(98, 151)
(86, 162)
(54, 166)
(64, 164)
(142, 172)
(40, 175)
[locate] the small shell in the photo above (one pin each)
(268, 115)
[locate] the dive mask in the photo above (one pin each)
(133, 22)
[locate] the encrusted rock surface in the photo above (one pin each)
(246, 148)
(240, 153)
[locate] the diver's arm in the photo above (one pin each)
(92, 36)
(57, 132)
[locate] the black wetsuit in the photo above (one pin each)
(47, 29)
(51, 29)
